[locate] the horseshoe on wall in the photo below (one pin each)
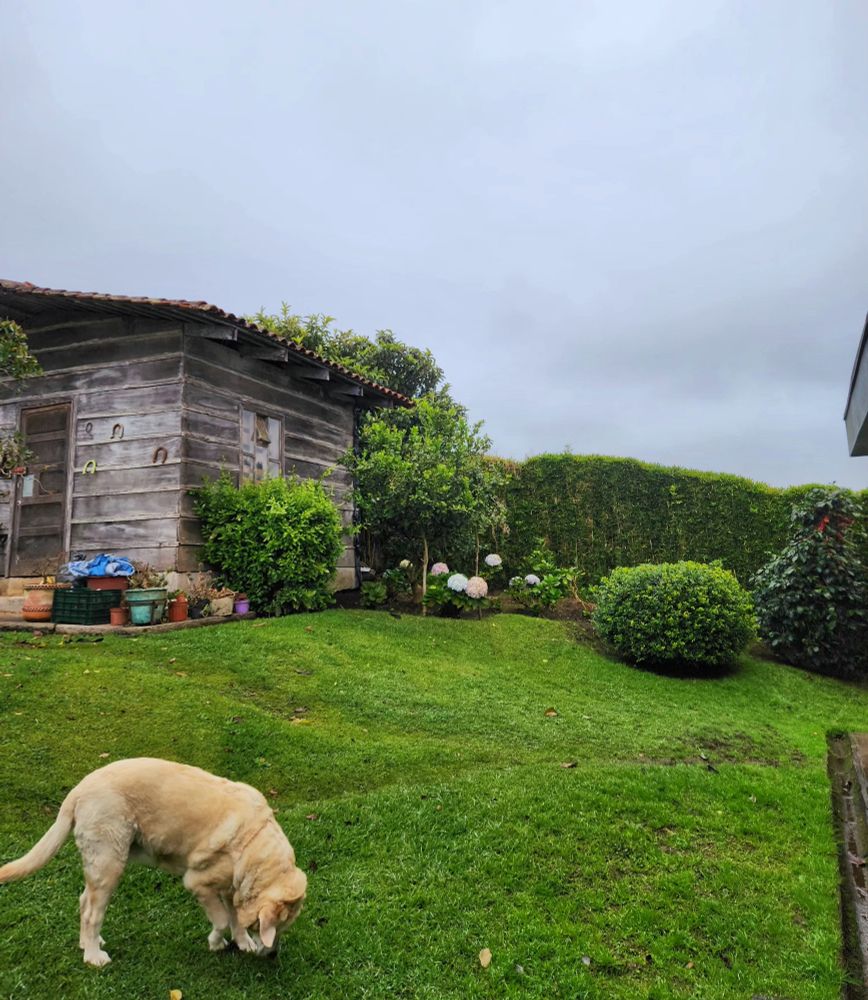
(89, 467)
(117, 432)
(155, 460)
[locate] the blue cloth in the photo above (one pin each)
(101, 565)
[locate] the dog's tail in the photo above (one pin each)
(41, 853)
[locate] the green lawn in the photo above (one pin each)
(420, 780)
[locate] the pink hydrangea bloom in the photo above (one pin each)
(476, 587)
(438, 569)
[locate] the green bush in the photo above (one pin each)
(812, 598)
(374, 594)
(544, 585)
(599, 513)
(683, 613)
(278, 541)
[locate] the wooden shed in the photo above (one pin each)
(141, 399)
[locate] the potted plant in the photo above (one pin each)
(199, 598)
(39, 602)
(14, 455)
(178, 606)
(147, 595)
(222, 602)
(242, 604)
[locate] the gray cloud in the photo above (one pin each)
(632, 228)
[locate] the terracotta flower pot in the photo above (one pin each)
(39, 602)
(119, 615)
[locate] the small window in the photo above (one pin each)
(260, 446)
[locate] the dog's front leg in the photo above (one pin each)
(214, 907)
(239, 934)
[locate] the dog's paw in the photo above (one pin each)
(216, 941)
(97, 958)
(246, 943)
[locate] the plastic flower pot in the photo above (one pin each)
(178, 608)
(147, 606)
(242, 606)
(198, 609)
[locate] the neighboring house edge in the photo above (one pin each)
(142, 399)
(856, 412)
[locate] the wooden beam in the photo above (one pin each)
(311, 372)
(267, 352)
(349, 389)
(211, 331)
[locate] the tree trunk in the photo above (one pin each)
(477, 553)
(424, 572)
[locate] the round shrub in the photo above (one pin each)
(683, 613)
(278, 541)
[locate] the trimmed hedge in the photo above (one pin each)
(599, 513)
(675, 614)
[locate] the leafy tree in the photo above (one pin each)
(313, 332)
(16, 361)
(421, 479)
(412, 371)
(812, 598)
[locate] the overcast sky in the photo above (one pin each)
(627, 227)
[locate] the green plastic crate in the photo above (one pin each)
(81, 606)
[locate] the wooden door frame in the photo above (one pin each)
(46, 404)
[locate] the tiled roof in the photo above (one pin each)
(195, 312)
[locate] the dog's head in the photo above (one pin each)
(276, 907)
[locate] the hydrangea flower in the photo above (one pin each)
(476, 587)
(493, 559)
(515, 581)
(531, 579)
(457, 582)
(438, 569)
(404, 564)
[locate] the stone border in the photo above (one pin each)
(46, 628)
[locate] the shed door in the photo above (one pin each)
(40, 509)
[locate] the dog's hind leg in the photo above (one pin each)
(104, 850)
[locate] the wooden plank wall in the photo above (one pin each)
(116, 371)
(138, 385)
(318, 429)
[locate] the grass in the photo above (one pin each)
(416, 771)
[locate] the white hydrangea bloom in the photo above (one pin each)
(477, 587)
(438, 569)
(404, 564)
(531, 579)
(457, 582)
(493, 559)
(515, 581)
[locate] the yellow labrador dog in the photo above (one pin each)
(220, 835)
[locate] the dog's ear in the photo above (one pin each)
(269, 917)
